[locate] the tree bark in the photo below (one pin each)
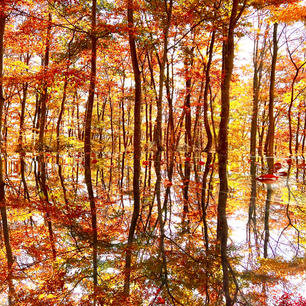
(93, 75)
(258, 65)
(206, 90)
(137, 144)
(2, 29)
(44, 95)
(269, 146)
(227, 68)
(5, 226)
(59, 120)
(93, 212)
(266, 222)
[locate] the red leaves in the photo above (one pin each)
(201, 163)
(288, 300)
(167, 183)
(146, 163)
(160, 300)
(302, 165)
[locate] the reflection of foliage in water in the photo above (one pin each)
(51, 235)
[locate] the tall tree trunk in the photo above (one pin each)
(59, 120)
(2, 29)
(6, 238)
(206, 91)
(158, 136)
(23, 105)
(93, 212)
(290, 111)
(227, 68)
(44, 94)
(42, 180)
(93, 75)
(297, 135)
(266, 223)
(188, 138)
(22, 115)
(5, 226)
(292, 99)
(258, 65)
(304, 130)
(137, 144)
(269, 146)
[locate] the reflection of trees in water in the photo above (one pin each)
(6, 237)
(85, 253)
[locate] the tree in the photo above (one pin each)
(227, 68)
(91, 95)
(137, 142)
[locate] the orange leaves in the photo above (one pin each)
(167, 183)
(301, 165)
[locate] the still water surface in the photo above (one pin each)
(50, 215)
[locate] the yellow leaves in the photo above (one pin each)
(16, 66)
(25, 216)
(46, 296)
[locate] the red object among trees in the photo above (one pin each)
(160, 300)
(267, 178)
(289, 161)
(277, 166)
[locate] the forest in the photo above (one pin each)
(152, 152)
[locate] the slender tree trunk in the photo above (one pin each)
(304, 130)
(188, 138)
(204, 203)
(258, 65)
(158, 137)
(170, 132)
(290, 111)
(93, 212)
(2, 29)
(227, 68)
(22, 115)
(93, 75)
(206, 91)
(59, 120)
(23, 178)
(6, 238)
(42, 179)
(269, 147)
(23, 105)
(297, 143)
(44, 95)
(137, 144)
(5, 226)
(266, 223)
(251, 225)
